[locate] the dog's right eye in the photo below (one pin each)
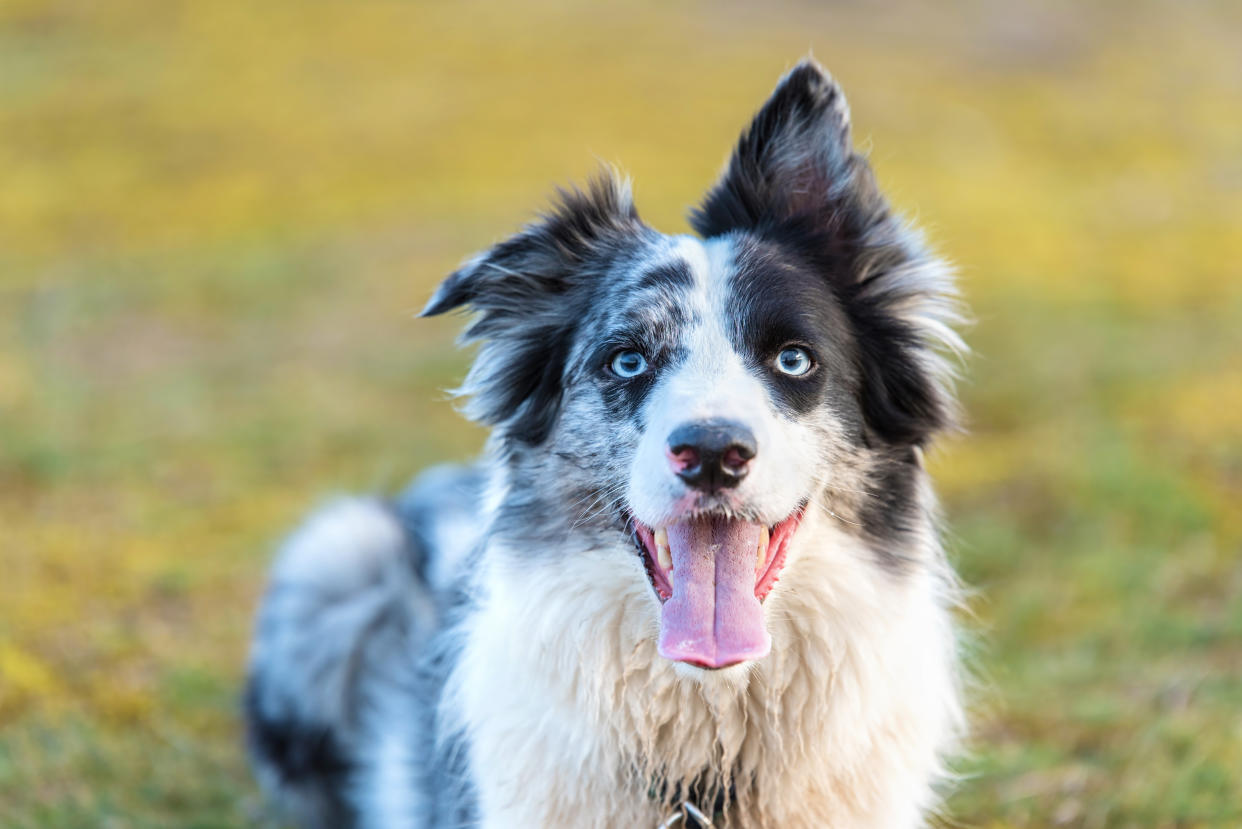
(628, 364)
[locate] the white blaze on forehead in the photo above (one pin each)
(700, 257)
(715, 381)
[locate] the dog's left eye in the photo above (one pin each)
(628, 364)
(793, 361)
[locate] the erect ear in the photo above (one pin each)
(522, 290)
(795, 179)
(795, 159)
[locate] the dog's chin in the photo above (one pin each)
(711, 572)
(730, 676)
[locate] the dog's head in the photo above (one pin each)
(698, 397)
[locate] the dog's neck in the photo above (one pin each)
(562, 667)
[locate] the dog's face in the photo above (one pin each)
(695, 397)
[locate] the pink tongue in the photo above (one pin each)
(713, 618)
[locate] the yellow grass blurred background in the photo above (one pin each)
(217, 218)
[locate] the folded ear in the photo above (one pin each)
(540, 259)
(795, 180)
(523, 290)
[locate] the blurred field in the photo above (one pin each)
(216, 220)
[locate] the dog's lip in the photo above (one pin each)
(779, 535)
(644, 540)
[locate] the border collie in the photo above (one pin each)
(696, 579)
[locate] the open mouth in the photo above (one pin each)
(712, 574)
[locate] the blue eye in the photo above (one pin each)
(628, 364)
(793, 361)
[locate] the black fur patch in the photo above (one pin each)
(514, 270)
(901, 403)
(794, 159)
(665, 278)
(529, 395)
(304, 755)
(778, 299)
(622, 396)
(795, 181)
(891, 510)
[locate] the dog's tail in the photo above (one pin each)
(343, 599)
(350, 603)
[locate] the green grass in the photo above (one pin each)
(216, 220)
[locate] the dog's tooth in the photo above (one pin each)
(663, 554)
(762, 552)
(665, 557)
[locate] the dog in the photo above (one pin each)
(696, 578)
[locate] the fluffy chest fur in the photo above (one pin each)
(572, 717)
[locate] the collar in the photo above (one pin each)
(688, 813)
(686, 816)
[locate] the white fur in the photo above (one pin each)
(841, 725)
(341, 546)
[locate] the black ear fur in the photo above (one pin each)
(532, 262)
(795, 179)
(794, 159)
(523, 290)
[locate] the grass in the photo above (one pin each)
(217, 218)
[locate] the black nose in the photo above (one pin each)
(711, 454)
